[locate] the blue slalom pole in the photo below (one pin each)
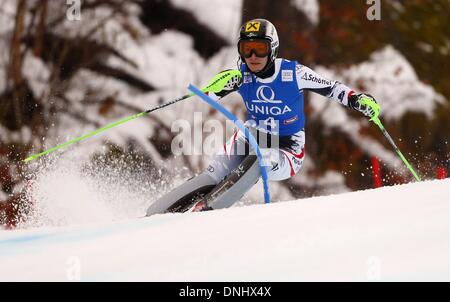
(245, 130)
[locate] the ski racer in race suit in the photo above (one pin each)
(272, 90)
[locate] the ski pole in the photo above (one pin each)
(377, 121)
(99, 130)
(222, 80)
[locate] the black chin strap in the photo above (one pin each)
(267, 71)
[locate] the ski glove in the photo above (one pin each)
(365, 103)
(232, 85)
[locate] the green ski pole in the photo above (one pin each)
(227, 79)
(377, 121)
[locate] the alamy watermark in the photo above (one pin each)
(374, 269)
(206, 136)
(73, 12)
(73, 268)
(374, 11)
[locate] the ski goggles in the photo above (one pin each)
(261, 48)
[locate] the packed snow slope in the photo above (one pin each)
(388, 234)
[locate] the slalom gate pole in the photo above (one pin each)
(245, 130)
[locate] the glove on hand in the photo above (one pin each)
(365, 103)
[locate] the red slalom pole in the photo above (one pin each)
(376, 173)
(441, 173)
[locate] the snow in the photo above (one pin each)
(335, 115)
(163, 62)
(3, 196)
(310, 8)
(169, 62)
(391, 79)
(37, 73)
(7, 14)
(332, 183)
(101, 24)
(396, 233)
(223, 17)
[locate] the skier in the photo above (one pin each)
(272, 91)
